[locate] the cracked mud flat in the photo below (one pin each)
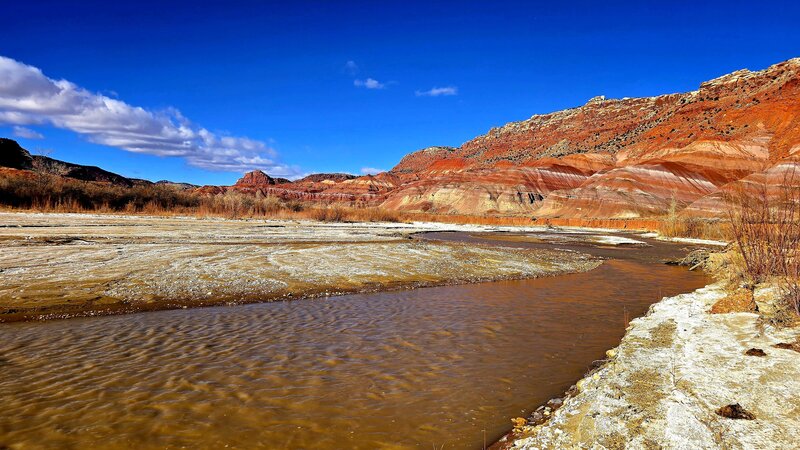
(63, 265)
(675, 368)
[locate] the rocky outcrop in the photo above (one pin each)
(630, 192)
(52, 166)
(421, 160)
(486, 191)
(773, 184)
(15, 157)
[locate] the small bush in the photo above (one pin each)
(677, 225)
(790, 297)
(765, 223)
(373, 215)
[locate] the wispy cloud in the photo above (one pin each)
(438, 91)
(351, 67)
(26, 133)
(370, 171)
(369, 83)
(28, 97)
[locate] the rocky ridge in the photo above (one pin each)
(632, 157)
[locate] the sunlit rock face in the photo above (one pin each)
(258, 178)
(777, 185)
(623, 158)
(506, 190)
(629, 192)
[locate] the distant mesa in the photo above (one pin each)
(177, 185)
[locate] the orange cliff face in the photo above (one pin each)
(630, 158)
(625, 158)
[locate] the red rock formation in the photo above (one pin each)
(640, 190)
(771, 183)
(484, 191)
(258, 178)
(608, 159)
(632, 157)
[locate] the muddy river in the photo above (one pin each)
(443, 367)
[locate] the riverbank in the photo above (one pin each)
(682, 377)
(64, 265)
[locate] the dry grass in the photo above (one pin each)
(740, 300)
(48, 193)
(344, 213)
(676, 225)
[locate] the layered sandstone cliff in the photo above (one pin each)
(618, 158)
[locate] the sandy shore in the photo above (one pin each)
(674, 369)
(62, 265)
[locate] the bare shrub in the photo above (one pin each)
(765, 224)
(294, 206)
(332, 213)
(671, 226)
(373, 215)
(791, 296)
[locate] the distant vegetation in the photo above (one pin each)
(676, 225)
(52, 193)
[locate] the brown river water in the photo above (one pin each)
(442, 367)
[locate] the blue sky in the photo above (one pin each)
(270, 86)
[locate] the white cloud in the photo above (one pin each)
(370, 171)
(351, 67)
(437, 91)
(369, 83)
(28, 97)
(27, 133)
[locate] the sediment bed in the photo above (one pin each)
(62, 265)
(675, 379)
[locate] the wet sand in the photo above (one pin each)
(67, 265)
